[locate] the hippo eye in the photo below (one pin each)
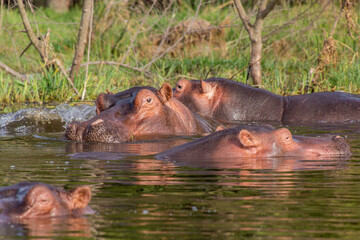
(288, 139)
(149, 100)
(179, 88)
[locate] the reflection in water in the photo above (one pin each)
(136, 196)
(89, 150)
(260, 173)
(47, 228)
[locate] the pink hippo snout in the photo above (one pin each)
(321, 146)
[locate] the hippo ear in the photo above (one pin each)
(204, 86)
(108, 92)
(166, 92)
(248, 139)
(100, 103)
(80, 197)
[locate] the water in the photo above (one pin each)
(136, 196)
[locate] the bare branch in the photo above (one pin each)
(265, 8)
(1, 13)
(33, 14)
(146, 73)
(39, 45)
(148, 65)
(242, 14)
(302, 15)
(137, 32)
(14, 45)
(88, 53)
(80, 46)
(12, 72)
(336, 21)
(63, 71)
(27, 47)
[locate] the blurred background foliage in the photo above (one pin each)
(174, 39)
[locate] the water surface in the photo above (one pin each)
(136, 196)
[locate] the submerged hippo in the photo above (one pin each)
(226, 101)
(32, 200)
(256, 141)
(147, 113)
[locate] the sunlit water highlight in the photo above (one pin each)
(136, 196)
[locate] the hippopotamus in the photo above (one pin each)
(107, 100)
(147, 113)
(39, 200)
(227, 101)
(256, 141)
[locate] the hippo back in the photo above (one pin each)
(241, 102)
(321, 107)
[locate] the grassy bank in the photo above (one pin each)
(293, 38)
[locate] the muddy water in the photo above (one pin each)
(138, 197)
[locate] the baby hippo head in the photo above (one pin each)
(33, 200)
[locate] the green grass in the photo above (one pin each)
(288, 54)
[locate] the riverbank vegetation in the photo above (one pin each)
(152, 44)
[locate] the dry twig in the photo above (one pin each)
(148, 65)
(12, 72)
(80, 46)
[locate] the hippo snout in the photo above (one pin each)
(341, 145)
(338, 138)
(103, 131)
(74, 132)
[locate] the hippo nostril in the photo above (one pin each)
(97, 122)
(337, 138)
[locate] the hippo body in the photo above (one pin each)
(227, 101)
(256, 141)
(321, 107)
(146, 113)
(32, 200)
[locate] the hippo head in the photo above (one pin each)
(257, 141)
(105, 101)
(280, 142)
(146, 113)
(199, 96)
(32, 200)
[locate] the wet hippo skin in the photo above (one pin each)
(34, 200)
(226, 101)
(257, 141)
(144, 112)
